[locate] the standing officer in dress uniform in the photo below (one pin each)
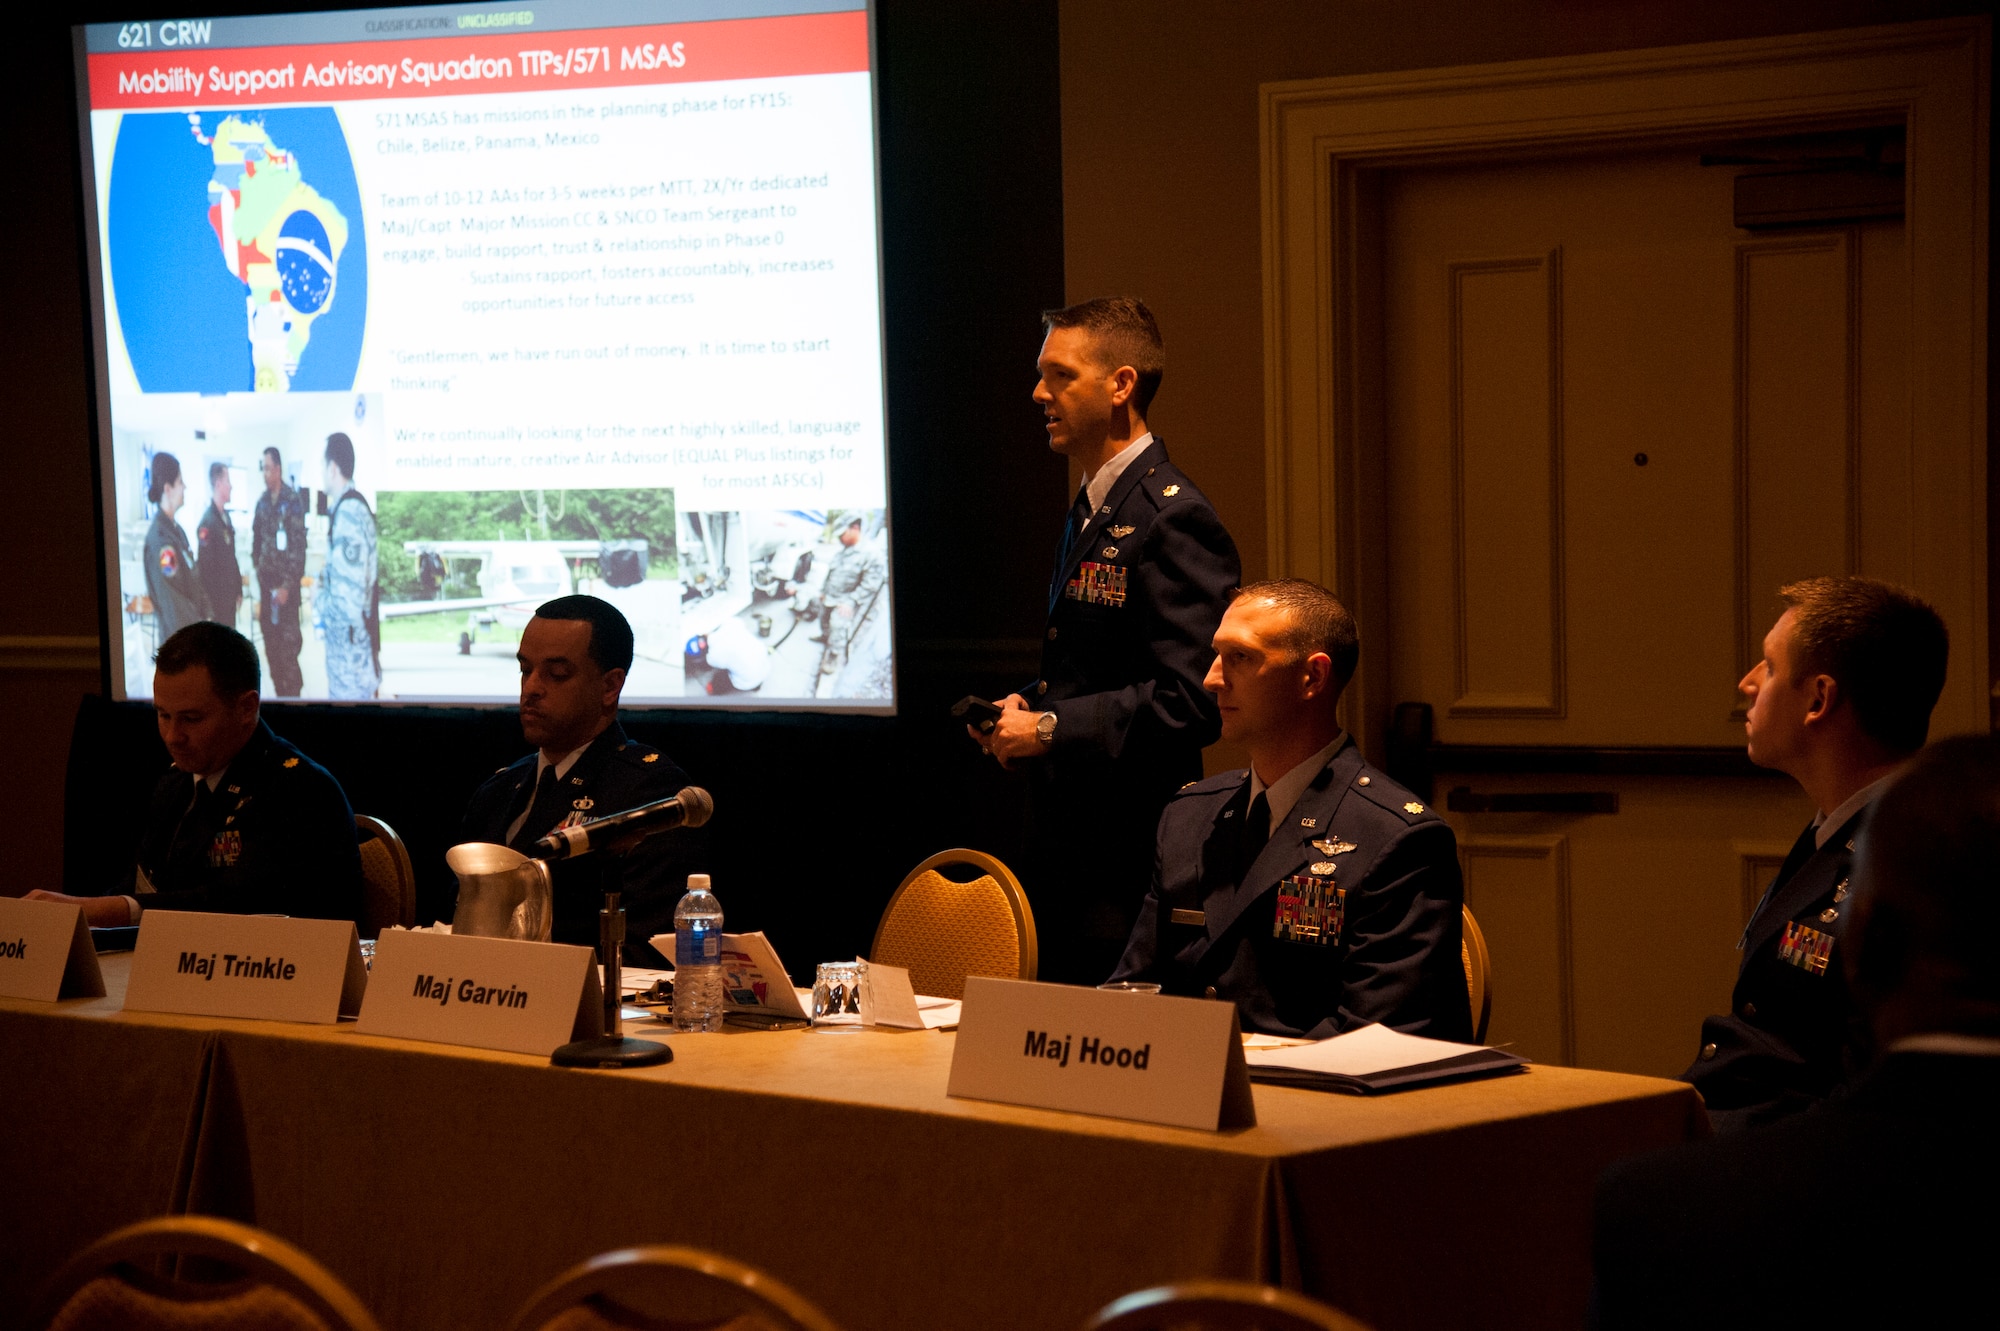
(574, 656)
(1118, 719)
(178, 599)
(349, 601)
(852, 580)
(1310, 890)
(278, 551)
(243, 823)
(221, 579)
(1840, 701)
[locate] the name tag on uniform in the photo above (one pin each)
(490, 993)
(1311, 909)
(1147, 1057)
(1097, 584)
(45, 952)
(1198, 918)
(260, 966)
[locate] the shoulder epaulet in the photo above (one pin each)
(1208, 785)
(634, 752)
(1378, 789)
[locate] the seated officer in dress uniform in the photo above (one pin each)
(574, 655)
(1311, 890)
(244, 823)
(1876, 1208)
(1840, 701)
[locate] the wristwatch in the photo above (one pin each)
(1045, 728)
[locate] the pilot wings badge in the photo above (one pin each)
(1330, 846)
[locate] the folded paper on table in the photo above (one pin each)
(753, 979)
(939, 1014)
(1376, 1058)
(889, 999)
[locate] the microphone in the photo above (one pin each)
(622, 831)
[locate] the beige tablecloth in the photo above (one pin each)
(445, 1184)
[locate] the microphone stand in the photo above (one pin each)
(612, 1049)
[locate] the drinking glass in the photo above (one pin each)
(837, 993)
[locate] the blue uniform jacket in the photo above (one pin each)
(1371, 914)
(1791, 1035)
(275, 837)
(614, 774)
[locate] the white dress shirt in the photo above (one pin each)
(1099, 486)
(1283, 794)
(1826, 824)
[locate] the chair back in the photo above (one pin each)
(388, 880)
(1478, 975)
(943, 931)
(1219, 1305)
(662, 1288)
(111, 1285)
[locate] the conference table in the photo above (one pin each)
(444, 1184)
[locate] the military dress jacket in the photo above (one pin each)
(1134, 608)
(275, 836)
(1791, 1035)
(1350, 914)
(614, 774)
(171, 581)
(221, 579)
(278, 540)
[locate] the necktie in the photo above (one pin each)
(1079, 518)
(1256, 834)
(1802, 850)
(544, 814)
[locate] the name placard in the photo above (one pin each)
(261, 966)
(1145, 1057)
(45, 952)
(490, 993)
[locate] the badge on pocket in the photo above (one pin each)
(1311, 909)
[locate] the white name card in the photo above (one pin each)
(490, 993)
(261, 966)
(45, 952)
(1146, 1057)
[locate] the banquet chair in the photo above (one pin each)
(1219, 1305)
(388, 882)
(661, 1288)
(112, 1284)
(942, 930)
(1478, 974)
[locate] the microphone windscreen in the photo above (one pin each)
(697, 806)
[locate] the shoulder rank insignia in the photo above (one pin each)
(650, 758)
(1805, 947)
(1331, 846)
(1121, 531)
(1171, 491)
(1413, 807)
(1310, 910)
(291, 762)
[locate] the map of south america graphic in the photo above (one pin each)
(231, 260)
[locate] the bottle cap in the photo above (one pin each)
(697, 882)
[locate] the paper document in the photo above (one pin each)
(1375, 1058)
(939, 1014)
(753, 979)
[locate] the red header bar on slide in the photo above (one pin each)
(488, 63)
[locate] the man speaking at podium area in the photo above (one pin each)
(574, 657)
(1310, 890)
(1118, 719)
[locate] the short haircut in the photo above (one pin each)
(1124, 333)
(227, 655)
(276, 457)
(610, 634)
(1317, 622)
(216, 471)
(166, 470)
(1929, 857)
(1884, 645)
(340, 452)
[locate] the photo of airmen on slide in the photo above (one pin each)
(786, 604)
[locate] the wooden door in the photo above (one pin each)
(1614, 423)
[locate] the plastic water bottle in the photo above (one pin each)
(698, 958)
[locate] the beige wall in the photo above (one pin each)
(1160, 161)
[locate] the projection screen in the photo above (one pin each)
(411, 319)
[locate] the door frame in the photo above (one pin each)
(1323, 141)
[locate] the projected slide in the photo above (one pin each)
(415, 318)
